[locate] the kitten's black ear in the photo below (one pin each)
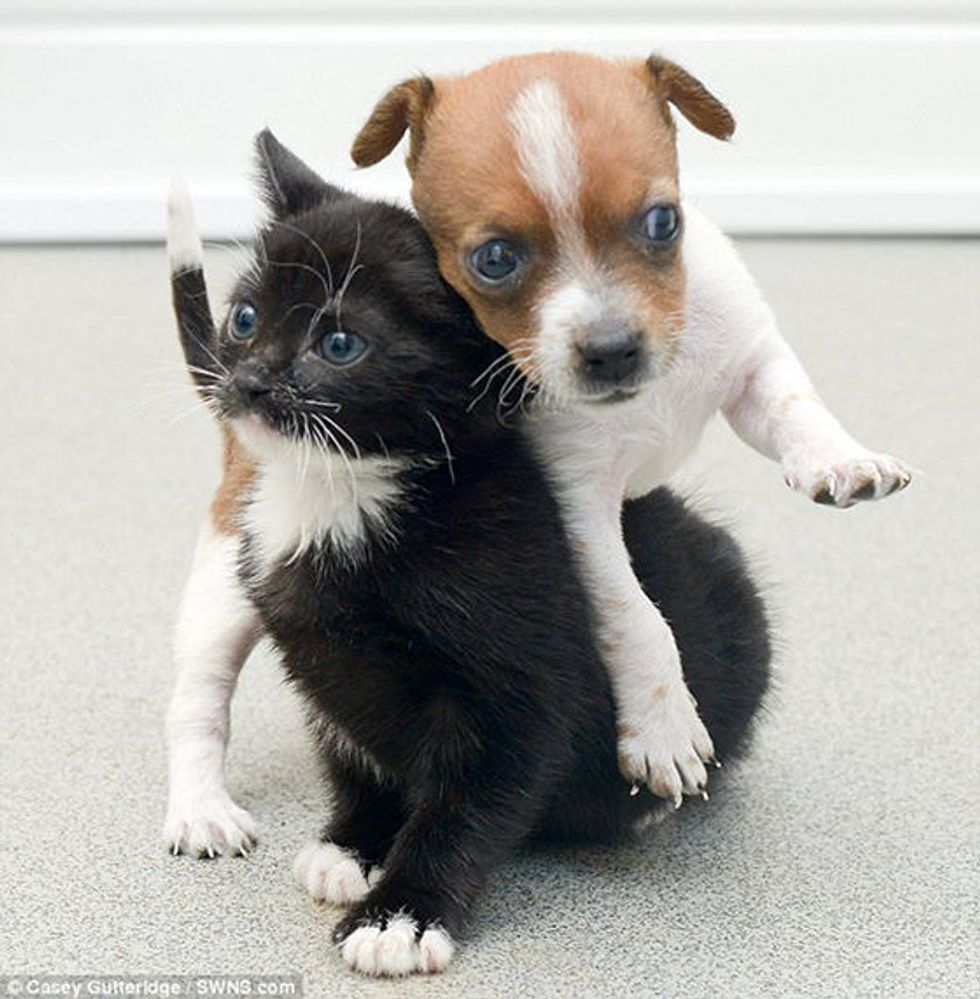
(287, 184)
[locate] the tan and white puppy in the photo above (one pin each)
(549, 185)
(637, 321)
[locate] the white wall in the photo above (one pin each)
(854, 115)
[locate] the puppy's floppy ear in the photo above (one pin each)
(690, 96)
(286, 183)
(405, 106)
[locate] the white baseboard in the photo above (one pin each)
(789, 206)
(844, 127)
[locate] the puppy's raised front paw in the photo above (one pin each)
(393, 945)
(843, 480)
(667, 748)
(330, 874)
(209, 826)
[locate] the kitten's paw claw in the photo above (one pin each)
(330, 874)
(209, 826)
(394, 946)
(668, 748)
(843, 480)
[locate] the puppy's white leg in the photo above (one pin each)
(217, 628)
(662, 741)
(774, 408)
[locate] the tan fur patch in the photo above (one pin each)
(238, 474)
(794, 397)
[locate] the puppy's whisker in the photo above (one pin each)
(510, 356)
(503, 359)
(500, 372)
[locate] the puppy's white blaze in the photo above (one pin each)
(183, 241)
(547, 147)
(560, 314)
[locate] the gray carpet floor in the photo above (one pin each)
(841, 859)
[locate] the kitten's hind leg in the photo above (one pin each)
(217, 627)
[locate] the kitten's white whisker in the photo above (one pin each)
(336, 426)
(316, 246)
(445, 444)
(324, 446)
(207, 350)
(327, 291)
(344, 457)
(352, 268)
(334, 407)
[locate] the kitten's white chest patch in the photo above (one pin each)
(304, 497)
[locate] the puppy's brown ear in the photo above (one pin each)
(690, 96)
(405, 106)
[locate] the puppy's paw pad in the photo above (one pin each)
(209, 826)
(394, 947)
(330, 874)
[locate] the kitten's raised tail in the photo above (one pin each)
(189, 289)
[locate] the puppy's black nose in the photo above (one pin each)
(252, 381)
(611, 356)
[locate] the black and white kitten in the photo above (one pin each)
(408, 559)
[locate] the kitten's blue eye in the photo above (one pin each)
(342, 348)
(495, 261)
(244, 321)
(661, 224)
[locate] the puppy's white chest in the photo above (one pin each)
(627, 449)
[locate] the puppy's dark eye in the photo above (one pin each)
(661, 224)
(244, 321)
(342, 348)
(495, 261)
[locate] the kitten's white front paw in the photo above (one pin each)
(330, 874)
(209, 826)
(667, 747)
(844, 479)
(393, 947)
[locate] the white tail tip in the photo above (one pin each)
(183, 242)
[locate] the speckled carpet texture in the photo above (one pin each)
(840, 859)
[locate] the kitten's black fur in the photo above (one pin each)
(453, 647)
